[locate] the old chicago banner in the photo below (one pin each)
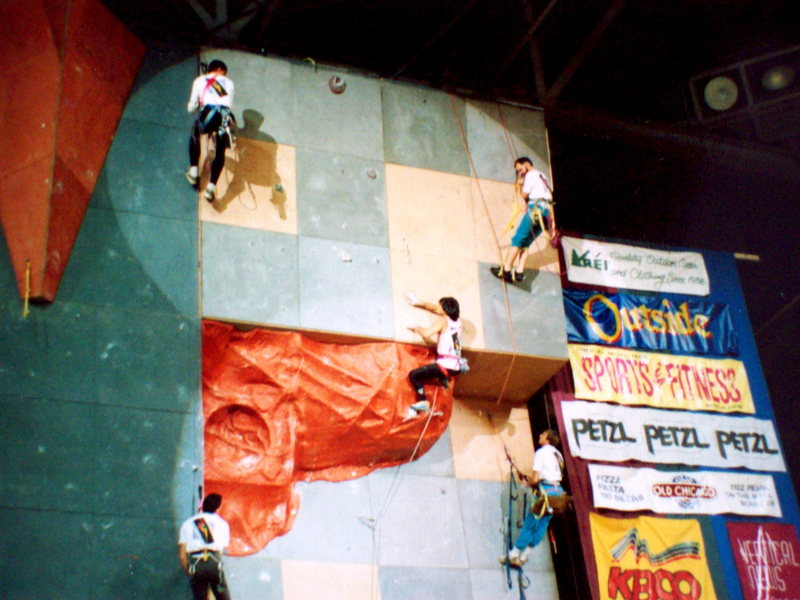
(650, 323)
(634, 268)
(600, 431)
(660, 380)
(646, 557)
(684, 492)
(768, 560)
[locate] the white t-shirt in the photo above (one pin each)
(533, 187)
(205, 531)
(448, 347)
(546, 461)
(211, 89)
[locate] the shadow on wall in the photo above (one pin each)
(252, 162)
(280, 407)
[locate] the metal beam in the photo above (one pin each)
(442, 32)
(585, 50)
(525, 38)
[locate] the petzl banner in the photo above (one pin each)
(768, 560)
(650, 323)
(634, 268)
(609, 374)
(598, 431)
(688, 492)
(646, 557)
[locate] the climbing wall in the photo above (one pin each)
(330, 209)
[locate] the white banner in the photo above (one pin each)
(684, 492)
(634, 268)
(600, 431)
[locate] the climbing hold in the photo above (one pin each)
(337, 84)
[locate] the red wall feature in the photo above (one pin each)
(280, 407)
(67, 68)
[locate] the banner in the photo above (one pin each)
(598, 431)
(684, 492)
(609, 374)
(634, 268)
(651, 323)
(650, 558)
(768, 560)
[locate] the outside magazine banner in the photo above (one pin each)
(650, 323)
(634, 268)
(606, 432)
(684, 492)
(767, 559)
(625, 376)
(650, 558)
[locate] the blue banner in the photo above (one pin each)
(650, 323)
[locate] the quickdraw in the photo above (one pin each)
(514, 491)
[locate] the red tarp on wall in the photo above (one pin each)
(279, 407)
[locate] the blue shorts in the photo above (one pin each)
(527, 231)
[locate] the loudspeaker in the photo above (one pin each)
(747, 85)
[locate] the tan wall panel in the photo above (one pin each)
(481, 431)
(429, 212)
(332, 581)
(257, 188)
(430, 277)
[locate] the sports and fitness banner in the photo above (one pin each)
(684, 492)
(635, 268)
(608, 374)
(651, 323)
(606, 432)
(650, 558)
(768, 560)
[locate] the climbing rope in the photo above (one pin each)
(374, 523)
(514, 492)
(506, 299)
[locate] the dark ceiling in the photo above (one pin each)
(634, 156)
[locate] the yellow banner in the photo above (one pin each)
(647, 557)
(659, 380)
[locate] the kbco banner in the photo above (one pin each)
(634, 268)
(646, 557)
(611, 374)
(684, 492)
(767, 559)
(652, 323)
(598, 431)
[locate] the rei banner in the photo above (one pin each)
(634, 268)
(768, 560)
(647, 557)
(624, 376)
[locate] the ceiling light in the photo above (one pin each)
(721, 93)
(777, 78)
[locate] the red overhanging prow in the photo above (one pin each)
(280, 407)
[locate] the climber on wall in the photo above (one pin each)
(445, 332)
(201, 540)
(212, 99)
(532, 189)
(548, 468)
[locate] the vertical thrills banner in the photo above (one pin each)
(768, 560)
(647, 557)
